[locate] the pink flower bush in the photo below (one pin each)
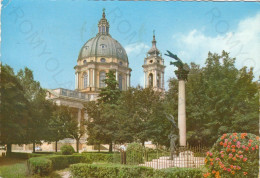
(233, 155)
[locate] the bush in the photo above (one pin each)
(179, 172)
(67, 150)
(109, 170)
(39, 165)
(102, 157)
(116, 170)
(233, 155)
(63, 161)
(134, 154)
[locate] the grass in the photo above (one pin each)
(17, 168)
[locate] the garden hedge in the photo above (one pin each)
(39, 165)
(67, 150)
(102, 157)
(25, 155)
(116, 170)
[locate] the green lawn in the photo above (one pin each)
(17, 168)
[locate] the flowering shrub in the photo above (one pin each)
(233, 155)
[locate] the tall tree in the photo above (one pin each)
(40, 108)
(15, 107)
(220, 99)
(102, 125)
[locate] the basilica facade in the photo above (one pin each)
(97, 57)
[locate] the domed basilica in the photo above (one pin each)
(96, 57)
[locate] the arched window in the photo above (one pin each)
(102, 77)
(84, 62)
(158, 80)
(85, 80)
(120, 63)
(120, 82)
(103, 60)
(150, 80)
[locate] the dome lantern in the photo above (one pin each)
(103, 25)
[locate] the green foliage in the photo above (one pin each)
(102, 157)
(234, 154)
(103, 125)
(134, 154)
(179, 172)
(39, 165)
(67, 150)
(109, 170)
(14, 109)
(116, 170)
(219, 98)
(25, 155)
(63, 161)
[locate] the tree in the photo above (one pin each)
(40, 109)
(15, 114)
(61, 116)
(219, 98)
(102, 125)
(142, 116)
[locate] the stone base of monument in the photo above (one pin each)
(185, 159)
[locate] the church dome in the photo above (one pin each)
(103, 45)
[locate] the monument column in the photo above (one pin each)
(182, 75)
(182, 113)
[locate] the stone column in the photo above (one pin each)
(93, 77)
(155, 79)
(182, 113)
(163, 80)
(116, 75)
(76, 80)
(79, 117)
(88, 77)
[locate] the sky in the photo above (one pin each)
(47, 35)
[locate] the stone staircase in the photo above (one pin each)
(181, 161)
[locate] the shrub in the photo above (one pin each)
(179, 172)
(67, 150)
(39, 165)
(116, 170)
(111, 170)
(233, 155)
(63, 161)
(134, 154)
(102, 157)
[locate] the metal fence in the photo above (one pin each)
(183, 157)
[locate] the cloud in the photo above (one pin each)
(136, 48)
(243, 44)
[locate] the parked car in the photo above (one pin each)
(38, 148)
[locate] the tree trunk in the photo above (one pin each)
(77, 145)
(8, 149)
(98, 147)
(142, 143)
(33, 147)
(110, 147)
(56, 146)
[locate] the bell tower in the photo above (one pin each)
(154, 68)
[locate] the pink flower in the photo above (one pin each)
(238, 146)
(210, 154)
(234, 140)
(228, 169)
(230, 155)
(243, 146)
(222, 156)
(226, 140)
(241, 156)
(238, 143)
(253, 148)
(244, 159)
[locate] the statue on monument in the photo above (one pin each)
(173, 136)
(182, 72)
